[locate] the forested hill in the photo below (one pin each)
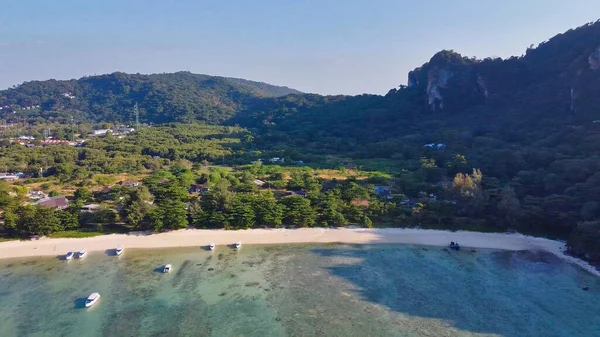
(530, 123)
(180, 96)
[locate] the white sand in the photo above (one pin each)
(197, 238)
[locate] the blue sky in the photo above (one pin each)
(322, 46)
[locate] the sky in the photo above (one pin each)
(320, 46)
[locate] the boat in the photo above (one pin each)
(82, 253)
(238, 244)
(167, 268)
(211, 246)
(92, 299)
(454, 245)
(69, 255)
(119, 250)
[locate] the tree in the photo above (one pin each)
(330, 204)
(69, 219)
(242, 214)
(136, 211)
(298, 212)
(509, 205)
(171, 214)
(267, 211)
(83, 194)
(38, 220)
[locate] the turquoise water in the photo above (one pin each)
(300, 290)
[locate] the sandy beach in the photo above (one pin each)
(200, 238)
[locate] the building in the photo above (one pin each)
(8, 176)
(300, 193)
(258, 182)
(59, 202)
(200, 189)
(100, 132)
(383, 192)
(130, 183)
(435, 146)
(56, 142)
(36, 195)
(91, 208)
(126, 130)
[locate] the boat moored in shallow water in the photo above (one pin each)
(69, 255)
(119, 250)
(92, 299)
(211, 246)
(238, 244)
(454, 245)
(167, 268)
(82, 253)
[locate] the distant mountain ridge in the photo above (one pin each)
(180, 96)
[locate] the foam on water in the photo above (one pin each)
(299, 290)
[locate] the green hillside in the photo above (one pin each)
(181, 96)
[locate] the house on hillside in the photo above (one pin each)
(299, 193)
(258, 182)
(36, 195)
(130, 183)
(126, 130)
(383, 192)
(56, 142)
(59, 202)
(435, 146)
(8, 176)
(99, 132)
(91, 208)
(198, 188)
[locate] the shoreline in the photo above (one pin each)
(203, 237)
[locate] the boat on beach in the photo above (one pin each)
(82, 253)
(454, 245)
(69, 255)
(211, 246)
(167, 268)
(119, 250)
(92, 299)
(238, 244)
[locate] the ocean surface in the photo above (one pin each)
(300, 290)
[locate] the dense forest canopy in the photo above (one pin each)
(180, 96)
(507, 143)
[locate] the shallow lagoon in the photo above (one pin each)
(300, 290)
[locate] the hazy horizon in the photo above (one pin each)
(310, 46)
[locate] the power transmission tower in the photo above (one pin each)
(136, 112)
(72, 124)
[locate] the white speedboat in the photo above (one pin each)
(238, 244)
(82, 253)
(212, 246)
(92, 299)
(167, 268)
(69, 255)
(119, 250)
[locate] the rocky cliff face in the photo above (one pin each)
(559, 76)
(594, 59)
(449, 81)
